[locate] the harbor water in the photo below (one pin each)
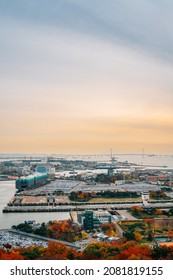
(7, 190)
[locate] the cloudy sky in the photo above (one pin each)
(85, 76)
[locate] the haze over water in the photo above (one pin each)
(146, 159)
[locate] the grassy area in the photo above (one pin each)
(138, 226)
(153, 213)
(151, 216)
(158, 227)
(126, 199)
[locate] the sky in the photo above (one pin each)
(84, 77)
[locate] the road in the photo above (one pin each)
(71, 207)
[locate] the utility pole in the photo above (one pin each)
(143, 152)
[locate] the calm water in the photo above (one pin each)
(149, 160)
(7, 190)
(146, 159)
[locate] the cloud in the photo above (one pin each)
(80, 74)
(146, 24)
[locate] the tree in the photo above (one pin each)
(100, 251)
(129, 235)
(42, 230)
(138, 236)
(158, 212)
(33, 252)
(160, 252)
(84, 235)
(170, 234)
(56, 251)
(150, 236)
(10, 255)
(108, 228)
(136, 210)
(141, 252)
(23, 227)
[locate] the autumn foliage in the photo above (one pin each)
(64, 230)
(108, 229)
(124, 250)
(60, 230)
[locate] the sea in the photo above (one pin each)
(141, 158)
(7, 188)
(7, 220)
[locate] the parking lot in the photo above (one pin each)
(17, 240)
(133, 187)
(58, 185)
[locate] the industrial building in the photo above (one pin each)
(31, 181)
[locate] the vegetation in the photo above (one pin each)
(147, 229)
(23, 227)
(137, 243)
(124, 250)
(61, 230)
(109, 229)
(158, 195)
(142, 213)
(87, 196)
(106, 179)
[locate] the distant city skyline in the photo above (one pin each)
(86, 76)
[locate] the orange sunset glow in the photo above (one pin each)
(82, 77)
